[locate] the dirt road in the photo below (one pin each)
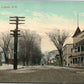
(45, 76)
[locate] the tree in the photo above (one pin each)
(44, 59)
(58, 38)
(36, 55)
(5, 41)
(29, 47)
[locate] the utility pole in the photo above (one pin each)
(77, 20)
(15, 34)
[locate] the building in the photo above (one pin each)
(52, 57)
(73, 54)
(78, 48)
(44, 59)
(66, 54)
(10, 56)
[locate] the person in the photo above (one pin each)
(42, 64)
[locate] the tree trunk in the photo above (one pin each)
(27, 61)
(23, 61)
(6, 59)
(61, 58)
(30, 59)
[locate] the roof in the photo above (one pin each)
(70, 56)
(77, 32)
(67, 44)
(53, 51)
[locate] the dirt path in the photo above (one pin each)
(48, 75)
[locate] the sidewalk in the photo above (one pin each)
(9, 67)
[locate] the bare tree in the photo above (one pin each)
(58, 38)
(28, 44)
(5, 41)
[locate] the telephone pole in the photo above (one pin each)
(15, 34)
(77, 20)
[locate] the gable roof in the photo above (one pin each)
(67, 44)
(77, 32)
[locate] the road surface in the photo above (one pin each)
(43, 74)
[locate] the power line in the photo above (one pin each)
(15, 34)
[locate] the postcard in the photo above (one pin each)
(41, 41)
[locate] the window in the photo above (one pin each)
(82, 48)
(78, 49)
(71, 62)
(81, 59)
(72, 50)
(74, 45)
(74, 60)
(78, 59)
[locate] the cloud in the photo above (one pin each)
(5, 26)
(27, 10)
(82, 14)
(43, 22)
(46, 22)
(37, 14)
(5, 13)
(75, 13)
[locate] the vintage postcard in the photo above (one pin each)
(41, 41)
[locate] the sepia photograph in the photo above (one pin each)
(41, 41)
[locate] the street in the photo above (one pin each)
(43, 74)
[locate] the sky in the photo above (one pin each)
(43, 17)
